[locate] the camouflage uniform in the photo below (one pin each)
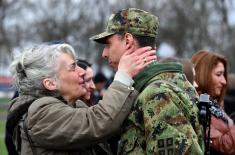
(164, 119)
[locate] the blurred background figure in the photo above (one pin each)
(211, 77)
(100, 84)
(188, 68)
(101, 148)
(229, 100)
(88, 78)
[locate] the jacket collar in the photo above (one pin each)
(152, 70)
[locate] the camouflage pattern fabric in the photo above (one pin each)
(132, 20)
(164, 119)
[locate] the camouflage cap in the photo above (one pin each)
(132, 20)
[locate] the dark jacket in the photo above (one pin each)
(229, 103)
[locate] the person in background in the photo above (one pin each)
(100, 83)
(85, 101)
(109, 147)
(229, 99)
(211, 77)
(44, 119)
(88, 78)
(163, 119)
(188, 68)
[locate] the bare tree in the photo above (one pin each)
(186, 25)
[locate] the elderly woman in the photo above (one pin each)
(44, 120)
(211, 77)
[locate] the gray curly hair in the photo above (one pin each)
(35, 64)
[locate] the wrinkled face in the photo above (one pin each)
(90, 86)
(70, 79)
(114, 48)
(218, 79)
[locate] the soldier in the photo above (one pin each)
(164, 118)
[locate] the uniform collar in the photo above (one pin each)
(152, 70)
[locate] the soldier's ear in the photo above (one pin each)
(129, 40)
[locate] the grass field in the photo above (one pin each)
(3, 111)
(2, 144)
